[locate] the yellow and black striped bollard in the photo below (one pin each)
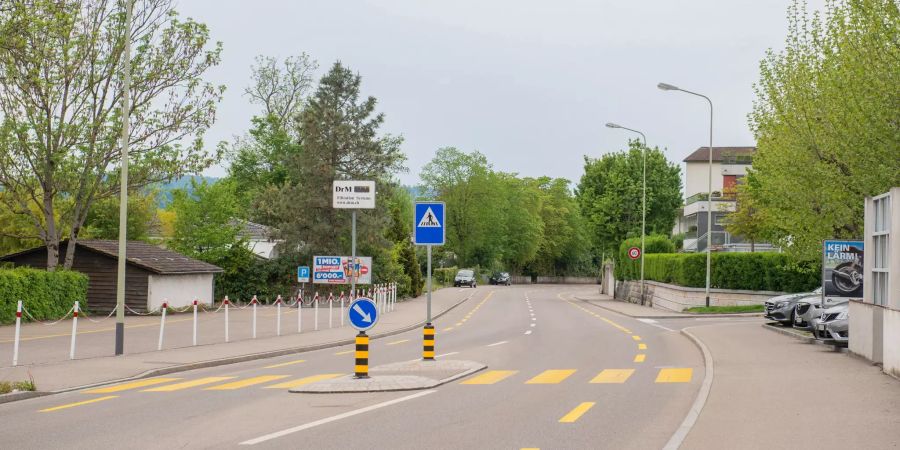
(428, 343)
(362, 355)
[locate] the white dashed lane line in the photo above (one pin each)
(497, 343)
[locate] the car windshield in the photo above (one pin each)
(464, 273)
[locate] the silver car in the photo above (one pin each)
(833, 324)
(781, 308)
(807, 309)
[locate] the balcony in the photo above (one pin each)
(717, 196)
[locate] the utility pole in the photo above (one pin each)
(123, 187)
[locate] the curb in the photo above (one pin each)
(806, 339)
(250, 357)
(24, 395)
(434, 384)
(697, 407)
(674, 316)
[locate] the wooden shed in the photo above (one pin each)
(152, 274)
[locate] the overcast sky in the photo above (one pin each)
(528, 83)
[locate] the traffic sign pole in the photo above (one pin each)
(353, 255)
(428, 322)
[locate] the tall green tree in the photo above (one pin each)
(565, 245)
(60, 95)
(103, 220)
(826, 122)
(610, 195)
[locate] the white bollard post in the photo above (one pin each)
(162, 325)
(278, 316)
(330, 303)
(74, 330)
(342, 308)
(254, 301)
(300, 312)
(18, 327)
(226, 318)
(195, 322)
(316, 308)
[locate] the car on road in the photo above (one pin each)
(500, 278)
(782, 308)
(834, 324)
(465, 277)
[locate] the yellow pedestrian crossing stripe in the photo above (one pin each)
(132, 385)
(304, 380)
(490, 377)
(576, 413)
(246, 382)
(671, 375)
(85, 402)
(551, 376)
(613, 376)
(187, 384)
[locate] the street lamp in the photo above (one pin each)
(643, 201)
(669, 87)
(123, 186)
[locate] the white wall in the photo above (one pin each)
(695, 177)
(264, 249)
(179, 290)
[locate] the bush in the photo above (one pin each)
(46, 295)
(652, 244)
(748, 271)
(444, 276)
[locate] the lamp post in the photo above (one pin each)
(123, 189)
(643, 200)
(669, 87)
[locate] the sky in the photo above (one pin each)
(530, 84)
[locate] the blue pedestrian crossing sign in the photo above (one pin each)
(303, 274)
(429, 224)
(363, 314)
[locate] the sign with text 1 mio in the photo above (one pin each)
(339, 270)
(429, 223)
(353, 194)
(303, 274)
(363, 314)
(842, 270)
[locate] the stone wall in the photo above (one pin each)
(567, 280)
(678, 298)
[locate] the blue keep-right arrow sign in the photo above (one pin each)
(363, 314)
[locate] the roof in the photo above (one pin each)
(702, 153)
(147, 256)
(253, 231)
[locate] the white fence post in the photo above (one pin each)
(300, 312)
(226, 318)
(74, 330)
(195, 322)
(162, 325)
(316, 308)
(342, 308)
(253, 302)
(278, 316)
(330, 304)
(18, 327)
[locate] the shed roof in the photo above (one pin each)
(702, 153)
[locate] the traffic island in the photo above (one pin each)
(403, 376)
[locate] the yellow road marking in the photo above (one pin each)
(447, 329)
(458, 324)
(640, 357)
(244, 383)
(642, 346)
(398, 342)
(304, 380)
(289, 363)
(345, 352)
(132, 385)
(577, 412)
(636, 337)
(490, 377)
(616, 376)
(85, 402)
(551, 376)
(187, 384)
(675, 375)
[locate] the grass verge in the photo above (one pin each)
(725, 309)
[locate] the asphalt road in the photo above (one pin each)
(561, 374)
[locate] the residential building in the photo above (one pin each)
(729, 166)
(260, 238)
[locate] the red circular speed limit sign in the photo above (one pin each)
(634, 253)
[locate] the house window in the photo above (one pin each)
(881, 241)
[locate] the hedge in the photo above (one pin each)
(748, 271)
(444, 276)
(652, 244)
(46, 295)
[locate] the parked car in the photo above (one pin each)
(465, 277)
(500, 278)
(810, 308)
(833, 324)
(782, 308)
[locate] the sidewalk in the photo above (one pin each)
(631, 309)
(96, 364)
(764, 381)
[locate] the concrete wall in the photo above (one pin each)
(678, 298)
(861, 330)
(567, 280)
(179, 290)
(891, 341)
(519, 279)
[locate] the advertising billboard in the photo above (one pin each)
(337, 270)
(842, 270)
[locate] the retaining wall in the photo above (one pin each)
(567, 280)
(677, 298)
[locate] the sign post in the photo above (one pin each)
(428, 223)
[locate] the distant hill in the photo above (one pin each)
(165, 189)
